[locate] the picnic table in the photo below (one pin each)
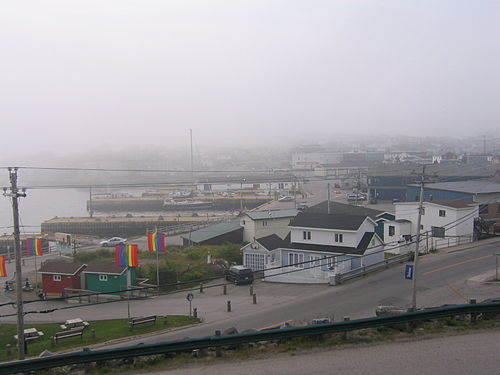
(74, 323)
(31, 334)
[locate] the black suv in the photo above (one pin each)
(239, 275)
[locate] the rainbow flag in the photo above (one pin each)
(121, 255)
(127, 255)
(3, 271)
(133, 255)
(156, 242)
(34, 246)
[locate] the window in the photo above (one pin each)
(392, 230)
(306, 235)
(442, 213)
(329, 262)
(438, 232)
(423, 211)
(339, 237)
(315, 261)
(242, 222)
(103, 277)
(294, 258)
(56, 277)
(421, 227)
(264, 223)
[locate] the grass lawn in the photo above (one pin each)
(105, 330)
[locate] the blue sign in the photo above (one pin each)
(409, 272)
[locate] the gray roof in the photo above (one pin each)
(271, 214)
(328, 221)
(212, 231)
(342, 208)
(442, 170)
(471, 186)
(63, 268)
(273, 241)
(105, 267)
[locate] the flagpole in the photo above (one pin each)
(158, 270)
(36, 276)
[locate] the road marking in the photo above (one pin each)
(458, 292)
(456, 264)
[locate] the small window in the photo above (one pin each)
(306, 235)
(339, 237)
(392, 230)
(103, 277)
(421, 227)
(264, 223)
(423, 211)
(56, 278)
(442, 213)
(242, 222)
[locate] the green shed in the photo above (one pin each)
(107, 277)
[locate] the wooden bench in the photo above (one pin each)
(144, 319)
(69, 333)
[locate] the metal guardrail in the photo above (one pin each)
(214, 341)
(361, 271)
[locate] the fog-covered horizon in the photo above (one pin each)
(85, 77)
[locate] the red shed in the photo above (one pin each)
(57, 276)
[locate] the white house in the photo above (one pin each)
(444, 222)
(257, 224)
(318, 247)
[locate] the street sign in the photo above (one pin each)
(190, 297)
(409, 272)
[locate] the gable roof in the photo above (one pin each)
(62, 268)
(105, 267)
(213, 231)
(327, 221)
(271, 214)
(342, 208)
(273, 241)
(359, 250)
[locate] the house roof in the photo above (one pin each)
(359, 250)
(212, 231)
(105, 267)
(271, 214)
(342, 208)
(273, 241)
(470, 186)
(453, 203)
(328, 221)
(63, 268)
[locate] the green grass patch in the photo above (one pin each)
(179, 263)
(104, 330)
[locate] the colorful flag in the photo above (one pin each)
(3, 271)
(121, 255)
(127, 255)
(156, 242)
(133, 255)
(34, 246)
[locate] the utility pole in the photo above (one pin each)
(192, 160)
(15, 194)
(328, 198)
(417, 240)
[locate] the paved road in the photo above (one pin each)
(475, 353)
(444, 279)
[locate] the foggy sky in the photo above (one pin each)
(86, 75)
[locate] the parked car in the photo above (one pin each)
(113, 241)
(239, 275)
